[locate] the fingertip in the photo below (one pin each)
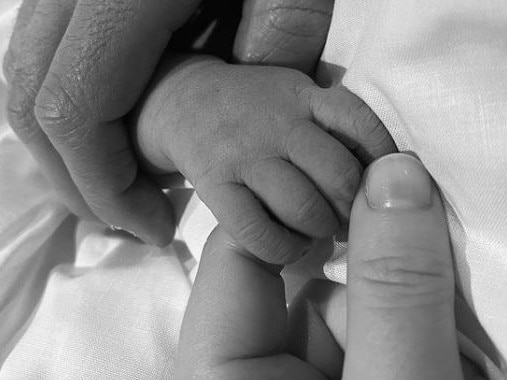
(398, 209)
(162, 227)
(143, 210)
(352, 121)
(398, 181)
(399, 246)
(400, 276)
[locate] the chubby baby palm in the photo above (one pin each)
(276, 158)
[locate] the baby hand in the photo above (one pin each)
(261, 147)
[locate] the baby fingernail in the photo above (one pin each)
(398, 181)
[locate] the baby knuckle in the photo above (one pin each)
(262, 242)
(309, 209)
(418, 278)
(372, 128)
(252, 231)
(368, 125)
(256, 238)
(376, 126)
(377, 133)
(346, 181)
(381, 144)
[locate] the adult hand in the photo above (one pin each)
(75, 68)
(400, 298)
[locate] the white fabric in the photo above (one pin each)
(78, 301)
(436, 74)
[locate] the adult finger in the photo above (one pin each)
(349, 119)
(25, 13)
(400, 278)
(234, 326)
(292, 197)
(289, 33)
(36, 37)
(106, 57)
(243, 216)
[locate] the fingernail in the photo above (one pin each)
(120, 229)
(398, 181)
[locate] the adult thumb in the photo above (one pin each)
(400, 278)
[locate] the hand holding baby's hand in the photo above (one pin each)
(257, 145)
(394, 320)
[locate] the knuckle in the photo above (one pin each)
(372, 139)
(58, 113)
(260, 240)
(420, 278)
(369, 127)
(291, 142)
(251, 232)
(309, 209)
(365, 117)
(346, 180)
